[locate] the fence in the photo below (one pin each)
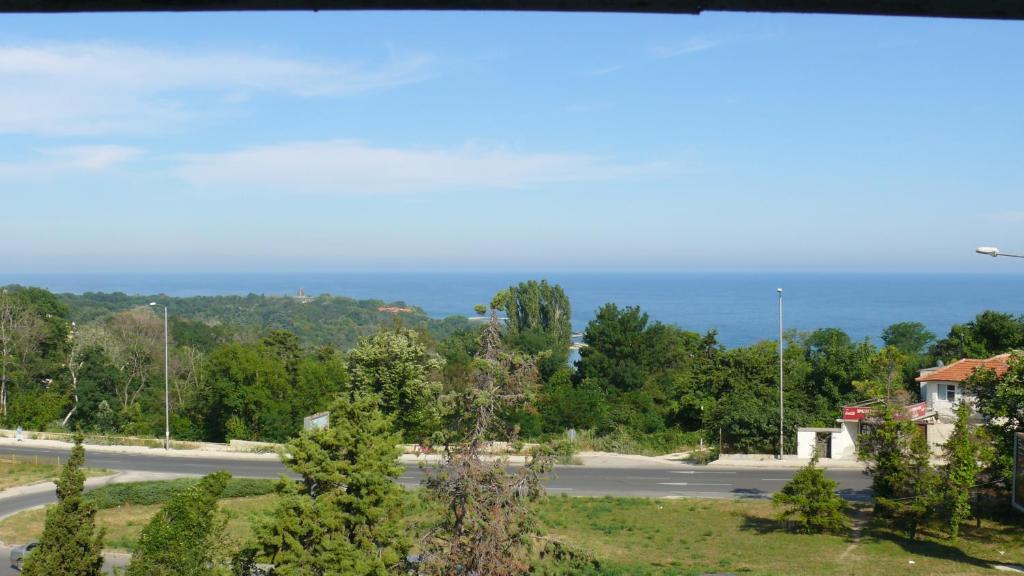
(44, 460)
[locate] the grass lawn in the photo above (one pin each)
(24, 473)
(124, 523)
(637, 537)
(668, 537)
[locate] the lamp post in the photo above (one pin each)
(781, 373)
(993, 252)
(167, 387)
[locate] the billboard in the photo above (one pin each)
(1018, 471)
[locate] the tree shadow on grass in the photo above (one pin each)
(761, 525)
(928, 547)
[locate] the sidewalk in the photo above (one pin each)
(788, 461)
(141, 450)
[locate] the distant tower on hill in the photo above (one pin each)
(301, 296)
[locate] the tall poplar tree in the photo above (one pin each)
(965, 450)
(70, 544)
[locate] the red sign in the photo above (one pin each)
(856, 412)
(914, 411)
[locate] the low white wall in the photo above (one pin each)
(805, 443)
(938, 434)
(844, 442)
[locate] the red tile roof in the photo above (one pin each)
(962, 369)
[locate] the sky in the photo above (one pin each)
(404, 141)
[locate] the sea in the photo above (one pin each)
(742, 308)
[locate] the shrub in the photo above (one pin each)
(161, 491)
(808, 503)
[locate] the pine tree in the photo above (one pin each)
(70, 544)
(181, 539)
(809, 502)
(343, 518)
(488, 522)
(965, 450)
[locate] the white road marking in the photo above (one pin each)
(775, 479)
(690, 484)
(698, 472)
(561, 489)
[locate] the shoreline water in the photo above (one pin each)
(743, 308)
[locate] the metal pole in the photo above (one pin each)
(781, 374)
(167, 389)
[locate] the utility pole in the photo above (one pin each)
(781, 374)
(167, 386)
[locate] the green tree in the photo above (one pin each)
(615, 350)
(1000, 400)
(343, 517)
(904, 483)
(990, 333)
(183, 538)
(539, 322)
(965, 451)
(70, 544)
(885, 376)
(809, 503)
(397, 366)
(249, 386)
(910, 338)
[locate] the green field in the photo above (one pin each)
(632, 536)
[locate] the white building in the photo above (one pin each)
(942, 389)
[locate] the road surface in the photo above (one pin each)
(675, 481)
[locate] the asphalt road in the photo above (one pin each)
(682, 481)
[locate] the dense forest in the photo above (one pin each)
(251, 368)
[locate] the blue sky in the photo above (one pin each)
(547, 142)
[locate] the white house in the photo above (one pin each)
(942, 386)
(942, 389)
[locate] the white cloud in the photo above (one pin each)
(98, 88)
(345, 167)
(1011, 216)
(691, 46)
(53, 161)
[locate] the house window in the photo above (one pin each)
(948, 392)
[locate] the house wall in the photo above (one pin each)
(844, 442)
(944, 408)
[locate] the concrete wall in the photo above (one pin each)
(805, 442)
(938, 434)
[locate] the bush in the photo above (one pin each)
(808, 503)
(625, 441)
(161, 491)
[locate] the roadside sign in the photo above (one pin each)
(317, 421)
(1018, 471)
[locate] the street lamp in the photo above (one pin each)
(993, 252)
(167, 387)
(780, 376)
